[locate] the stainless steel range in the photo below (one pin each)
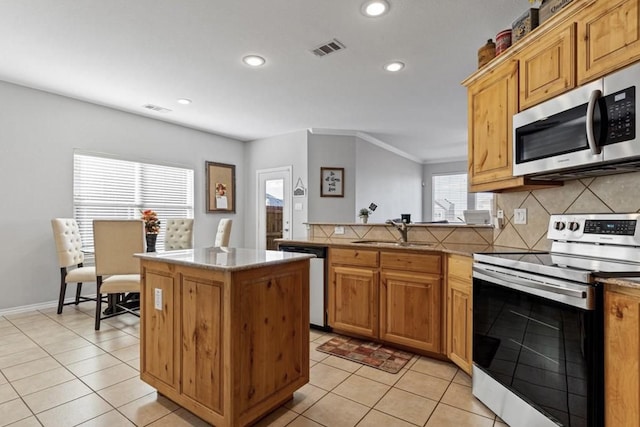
(538, 321)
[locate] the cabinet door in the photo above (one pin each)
(459, 305)
(160, 327)
(547, 68)
(621, 356)
(410, 310)
(202, 310)
(493, 100)
(459, 323)
(608, 38)
(353, 300)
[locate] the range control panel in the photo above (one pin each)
(620, 229)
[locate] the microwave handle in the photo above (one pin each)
(591, 140)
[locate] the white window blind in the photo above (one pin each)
(105, 187)
(450, 198)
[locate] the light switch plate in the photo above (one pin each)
(338, 230)
(500, 214)
(297, 206)
(157, 303)
(519, 216)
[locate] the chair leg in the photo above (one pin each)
(98, 303)
(78, 291)
(63, 289)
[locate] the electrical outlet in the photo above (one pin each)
(157, 303)
(338, 230)
(500, 214)
(520, 216)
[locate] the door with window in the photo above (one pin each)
(273, 206)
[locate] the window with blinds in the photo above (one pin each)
(450, 198)
(105, 187)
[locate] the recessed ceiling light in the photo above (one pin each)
(253, 60)
(184, 101)
(375, 8)
(394, 66)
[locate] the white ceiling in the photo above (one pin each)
(124, 54)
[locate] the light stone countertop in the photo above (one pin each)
(625, 282)
(223, 258)
(453, 248)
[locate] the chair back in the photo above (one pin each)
(115, 243)
(224, 232)
(178, 234)
(66, 234)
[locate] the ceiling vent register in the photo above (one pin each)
(327, 48)
(156, 108)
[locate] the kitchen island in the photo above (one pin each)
(224, 332)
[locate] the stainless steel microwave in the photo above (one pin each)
(588, 131)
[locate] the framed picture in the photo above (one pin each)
(221, 188)
(331, 182)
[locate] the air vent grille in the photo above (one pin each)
(156, 108)
(327, 48)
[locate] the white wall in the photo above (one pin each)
(38, 133)
(437, 169)
(283, 150)
(332, 151)
(392, 182)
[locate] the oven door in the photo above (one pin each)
(536, 361)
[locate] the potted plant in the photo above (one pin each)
(364, 215)
(151, 228)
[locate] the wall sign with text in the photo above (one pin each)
(332, 182)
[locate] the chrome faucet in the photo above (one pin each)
(402, 228)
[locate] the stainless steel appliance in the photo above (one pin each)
(317, 282)
(589, 131)
(538, 321)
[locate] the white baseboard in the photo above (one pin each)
(38, 306)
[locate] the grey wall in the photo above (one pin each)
(436, 169)
(392, 182)
(278, 151)
(38, 133)
(332, 151)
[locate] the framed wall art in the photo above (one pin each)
(331, 182)
(221, 187)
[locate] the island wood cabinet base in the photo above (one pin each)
(229, 346)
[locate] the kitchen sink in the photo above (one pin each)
(393, 243)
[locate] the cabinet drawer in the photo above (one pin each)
(353, 257)
(412, 262)
(460, 266)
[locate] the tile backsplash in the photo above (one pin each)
(606, 194)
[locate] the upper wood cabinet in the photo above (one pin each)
(547, 68)
(608, 37)
(492, 102)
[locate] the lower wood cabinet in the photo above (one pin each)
(392, 296)
(410, 310)
(460, 310)
(354, 301)
(622, 357)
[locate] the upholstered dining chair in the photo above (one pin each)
(117, 270)
(66, 234)
(178, 234)
(224, 232)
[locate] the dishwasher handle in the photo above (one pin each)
(318, 251)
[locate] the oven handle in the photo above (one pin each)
(575, 297)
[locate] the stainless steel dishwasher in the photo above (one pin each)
(317, 282)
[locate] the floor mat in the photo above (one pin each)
(367, 353)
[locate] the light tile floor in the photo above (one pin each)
(55, 370)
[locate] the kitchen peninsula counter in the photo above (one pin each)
(225, 332)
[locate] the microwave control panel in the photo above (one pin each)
(620, 113)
